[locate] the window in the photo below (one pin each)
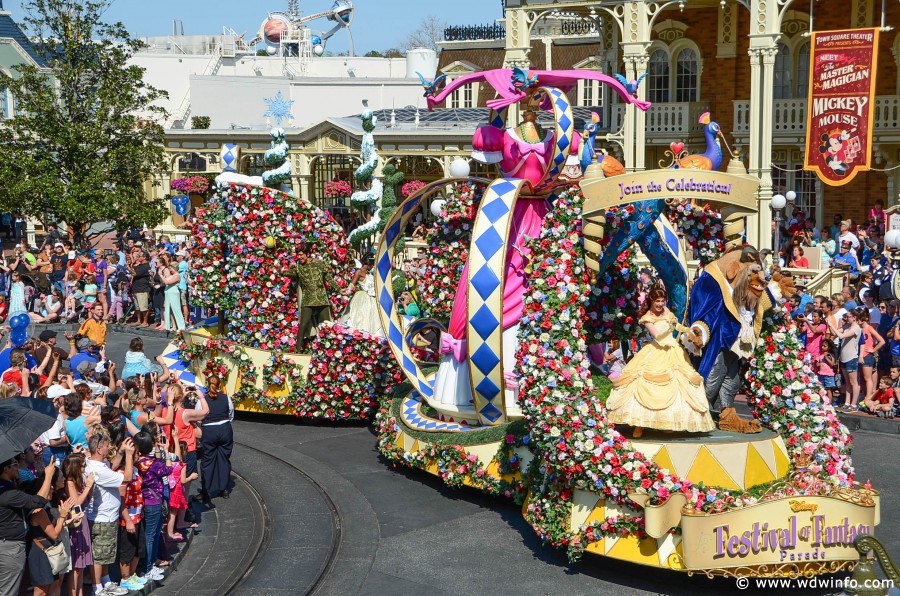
(4, 104)
(658, 77)
(782, 83)
(327, 168)
(192, 163)
(587, 94)
(803, 70)
(687, 69)
(464, 97)
(805, 187)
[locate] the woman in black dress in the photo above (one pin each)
(45, 528)
(217, 442)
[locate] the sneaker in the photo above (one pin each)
(114, 589)
(138, 580)
(131, 584)
(155, 574)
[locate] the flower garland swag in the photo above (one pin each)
(702, 228)
(192, 184)
(446, 455)
(448, 249)
(238, 274)
(350, 369)
(787, 397)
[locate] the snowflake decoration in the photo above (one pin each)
(279, 108)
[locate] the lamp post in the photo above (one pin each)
(778, 203)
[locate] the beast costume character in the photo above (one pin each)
(725, 313)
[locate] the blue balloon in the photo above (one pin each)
(19, 337)
(181, 202)
(19, 321)
(181, 209)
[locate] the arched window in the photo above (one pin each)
(658, 77)
(781, 88)
(687, 71)
(803, 70)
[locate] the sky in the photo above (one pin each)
(377, 24)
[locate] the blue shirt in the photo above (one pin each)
(4, 360)
(847, 259)
(76, 431)
(78, 359)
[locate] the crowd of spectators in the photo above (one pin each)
(853, 336)
(111, 479)
(145, 282)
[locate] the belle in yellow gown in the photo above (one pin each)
(659, 388)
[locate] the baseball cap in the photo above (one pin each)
(85, 368)
(84, 343)
(55, 391)
(58, 245)
(845, 222)
(47, 335)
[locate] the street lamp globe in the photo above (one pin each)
(892, 239)
(791, 196)
(778, 202)
(460, 168)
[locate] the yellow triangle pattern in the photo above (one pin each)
(733, 459)
(707, 470)
(584, 504)
(663, 460)
(648, 450)
(682, 456)
(767, 453)
(757, 471)
(630, 548)
(782, 463)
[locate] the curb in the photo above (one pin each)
(172, 567)
(114, 328)
(864, 422)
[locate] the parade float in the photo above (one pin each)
(517, 406)
(246, 240)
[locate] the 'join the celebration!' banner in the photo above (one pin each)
(841, 103)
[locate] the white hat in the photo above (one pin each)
(58, 244)
(55, 391)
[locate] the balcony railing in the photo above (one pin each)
(789, 116)
(667, 120)
(474, 33)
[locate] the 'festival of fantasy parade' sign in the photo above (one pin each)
(841, 104)
(794, 530)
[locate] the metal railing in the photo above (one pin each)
(474, 33)
(676, 120)
(789, 115)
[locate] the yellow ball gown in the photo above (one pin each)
(659, 388)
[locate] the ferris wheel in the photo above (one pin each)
(282, 32)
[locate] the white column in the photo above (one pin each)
(518, 48)
(635, 43)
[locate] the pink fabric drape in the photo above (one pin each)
(528, 217)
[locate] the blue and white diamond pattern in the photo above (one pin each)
(487, 263)
(413, 418)
(565, 129)
(230, 157)
(498, 118)
(390, 319)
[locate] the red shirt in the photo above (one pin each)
(134, 500)
(884, 396)
(185, 431)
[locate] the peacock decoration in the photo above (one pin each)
(276, 158)
(712, 158)
(367, 199)
(610, 165)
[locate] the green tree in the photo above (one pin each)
(85, 138)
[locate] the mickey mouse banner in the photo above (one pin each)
(841, 104)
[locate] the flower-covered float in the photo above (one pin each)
(516, 407)
(245, 245)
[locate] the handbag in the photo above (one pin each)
(58, 555)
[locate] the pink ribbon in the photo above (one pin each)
(451, 345)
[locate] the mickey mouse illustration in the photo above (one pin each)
(834, 147)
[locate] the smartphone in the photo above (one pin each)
(76, 509)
